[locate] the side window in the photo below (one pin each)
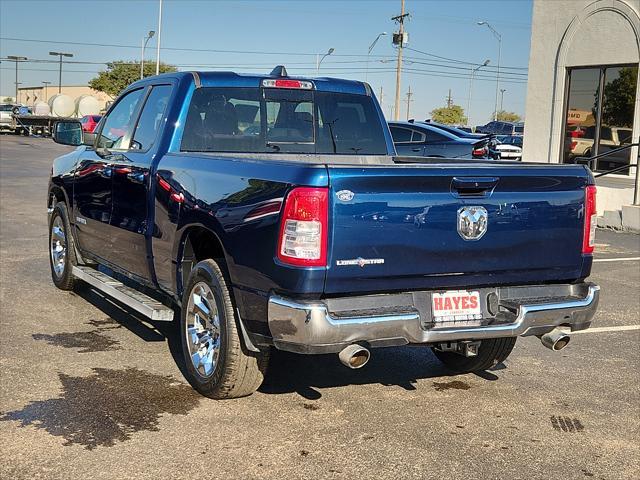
(151, 118)
(118, 122)
(224, 120)
(400, 134)
(417, 137)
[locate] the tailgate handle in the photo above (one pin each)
(473, 186)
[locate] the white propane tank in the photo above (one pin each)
(87, 105)
(41, 108)
(61, 105)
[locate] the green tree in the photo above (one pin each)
(121, 73)
(505, 116)
(453, 115)
(619, 98)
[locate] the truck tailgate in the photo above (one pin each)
(396, 227)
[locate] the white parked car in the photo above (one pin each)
(506, 147)
(6, 121)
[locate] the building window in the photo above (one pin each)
(599, 106)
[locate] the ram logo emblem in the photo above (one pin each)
(345, 195)
(472, 222)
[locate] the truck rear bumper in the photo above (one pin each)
(398, 319)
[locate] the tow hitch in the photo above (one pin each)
(466, 348)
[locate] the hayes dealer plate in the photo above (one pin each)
(456, 305)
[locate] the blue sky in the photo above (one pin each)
(284, 32)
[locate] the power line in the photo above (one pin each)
(250, 52)
(459, 61)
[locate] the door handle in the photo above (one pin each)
(416, 149)
(473, 186)
(136, 177)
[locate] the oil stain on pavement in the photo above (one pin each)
(455, 385)
(107, 407)
(86, 342)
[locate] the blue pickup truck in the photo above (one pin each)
(267, 211)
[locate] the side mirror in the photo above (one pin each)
(68, 133)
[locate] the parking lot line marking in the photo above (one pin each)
(619, 259)
(619, 328)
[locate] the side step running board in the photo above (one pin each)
(138, 301)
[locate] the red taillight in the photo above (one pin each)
(573, 146)
(479, 152)
(590, 218)
(303, 228)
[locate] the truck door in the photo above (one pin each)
(93, 178)
(131, 173)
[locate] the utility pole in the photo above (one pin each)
(449, 100)
(399, 40)
(502, 90)
(16, 59)
(409, 95)
(60, 54)
(158, 42)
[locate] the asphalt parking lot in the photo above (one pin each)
(89, 391)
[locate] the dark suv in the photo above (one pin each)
(502, 128)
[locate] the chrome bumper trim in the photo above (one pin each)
(310, 327)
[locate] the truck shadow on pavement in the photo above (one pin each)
(393, 366)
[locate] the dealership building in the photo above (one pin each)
(583, 97)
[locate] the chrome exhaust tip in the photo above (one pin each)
(555, 340)
(354, 356)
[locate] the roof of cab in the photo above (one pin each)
(232, 79)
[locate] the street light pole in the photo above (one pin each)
(16, 59)
(158, 42)
(499, 38)
(145, 40)
(373, 44)
(46, 97)
(60, 54)
(473, 72)
(319, 60)
(502, 90)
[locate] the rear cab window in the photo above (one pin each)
(282, 120)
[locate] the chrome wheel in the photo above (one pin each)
(58, 247)
(203, 329)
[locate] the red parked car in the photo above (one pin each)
(89, 122)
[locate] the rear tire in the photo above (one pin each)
(62, 249)
(216, 364)
(492, 351)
